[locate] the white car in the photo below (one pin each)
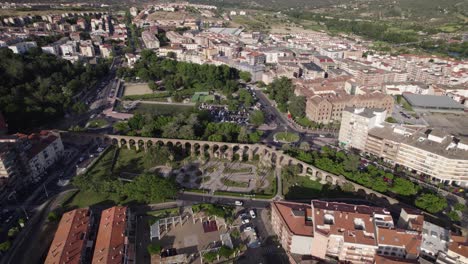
(245, 221)
(247, 229)
(238, 203)
(252, 214)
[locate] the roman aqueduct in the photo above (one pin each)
(230, 151)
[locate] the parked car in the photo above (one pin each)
(248, 228)
(252, 214)
(245, 221)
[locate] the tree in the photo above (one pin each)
(454, 216)
(257, 118)
(5, 246)
(243, 135)
(431, 203)
(154, 249)
(255, 137)
(225, 252)
(157, 155)
(121, 126)
(390, 119)
(459, 207)
(210, 256)
(403, 187)
(80, 108)
(245, 76)
(150, 188)
(297, 105)
(136, 122)
(13, 231)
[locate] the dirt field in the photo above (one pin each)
(137, 89)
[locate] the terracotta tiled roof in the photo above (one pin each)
(410, 240)
(294, 216)
(111, 238)
(459, 245)
(69, 240)
(353, 222)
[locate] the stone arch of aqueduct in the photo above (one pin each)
(230, 151)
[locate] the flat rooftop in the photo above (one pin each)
(432, 102)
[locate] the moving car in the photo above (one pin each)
(238, 203)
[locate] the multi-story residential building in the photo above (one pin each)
(43, 150)
(330, 230)
(292, 222)
(87, 50)
(328, 108)
(356, 123)
(68, 49)
(106, 50)
(324, 62)
(51, 49)
(70, 240)
(10, 166)
(150, 39)
(311, 71)
(255, 58)
(429, 152)
(22, 47)
(112, 244)
(347, 232)
(403, 244)
(24, 159)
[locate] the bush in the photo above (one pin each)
(154, 249)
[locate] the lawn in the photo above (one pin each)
(130, 160)
(309, 189)
(406, 105)
(97, 123)
(287, 137)
(88, 198)
(232, 183)
(237, 170)
(163, 109)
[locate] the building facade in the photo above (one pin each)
(355, 125)
(325, 109)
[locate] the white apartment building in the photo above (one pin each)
(68, 49)
(356, 123)
(51, 49)
(45, 151)
(430, 152)
(22, 47)
(87, 50)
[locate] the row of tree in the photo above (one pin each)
(40, 87)
(370, 176)
(189, 126)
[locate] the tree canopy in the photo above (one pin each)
(40, 87)
(431, 202)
